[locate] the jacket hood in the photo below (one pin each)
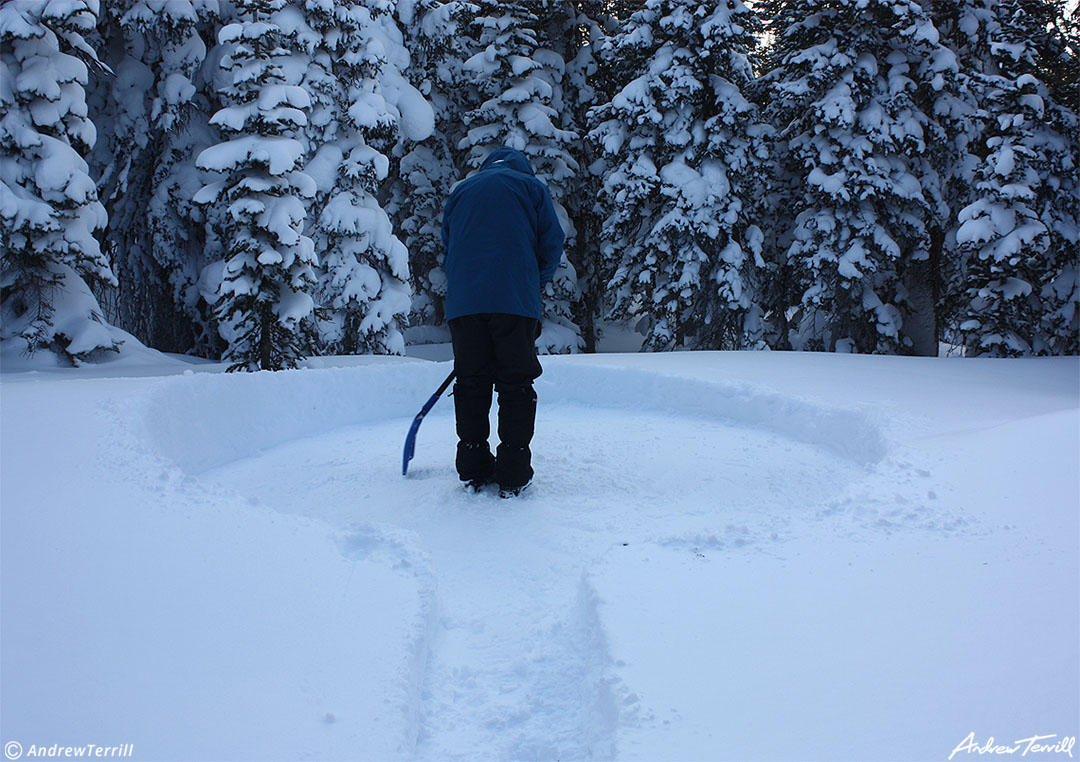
(510, 158)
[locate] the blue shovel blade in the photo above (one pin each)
(410, 444)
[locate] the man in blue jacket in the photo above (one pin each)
(501, 243)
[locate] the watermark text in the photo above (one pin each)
(1048, 744)
(14, 750)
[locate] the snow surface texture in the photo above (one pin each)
(723, 556)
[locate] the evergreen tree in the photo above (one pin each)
(851, 87)
(435, 33)
(1013, 288)
(49, 207)
(363, 104)
(1001, 235)
(262, 290)
(516, 85)
(153, 122)
(684, 153)
(585, 83)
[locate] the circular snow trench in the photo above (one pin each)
(513, 663)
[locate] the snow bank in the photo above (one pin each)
(848, 433)
(202, 421)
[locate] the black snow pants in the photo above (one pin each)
(495, 351)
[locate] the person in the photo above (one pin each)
(502, 242)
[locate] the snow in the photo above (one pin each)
(723, 556)
(178, 89)
(833, 185)
(78, 315)
(280, 155)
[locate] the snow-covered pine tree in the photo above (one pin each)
(262, 289)
(1057, 43)
(850, 87)
(49, 208)
(685, 152)
(1004, 243)
(1015, 289)
(425, 170)
(735, 311)
(584, 85)
(152, 117)
(770, 211)
(119, 158)
(182, 235)
(1060, 324)
(364, 292)
(516, 84)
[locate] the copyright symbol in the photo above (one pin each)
(13, 750)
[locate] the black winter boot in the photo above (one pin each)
(513, 468)
(475, 463)
(514, 492)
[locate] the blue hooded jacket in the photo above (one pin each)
(501, 239)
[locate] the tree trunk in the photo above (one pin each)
(921, 279)
(266, 360)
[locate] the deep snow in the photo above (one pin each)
(723, 556)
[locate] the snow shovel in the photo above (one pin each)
(410, 440)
